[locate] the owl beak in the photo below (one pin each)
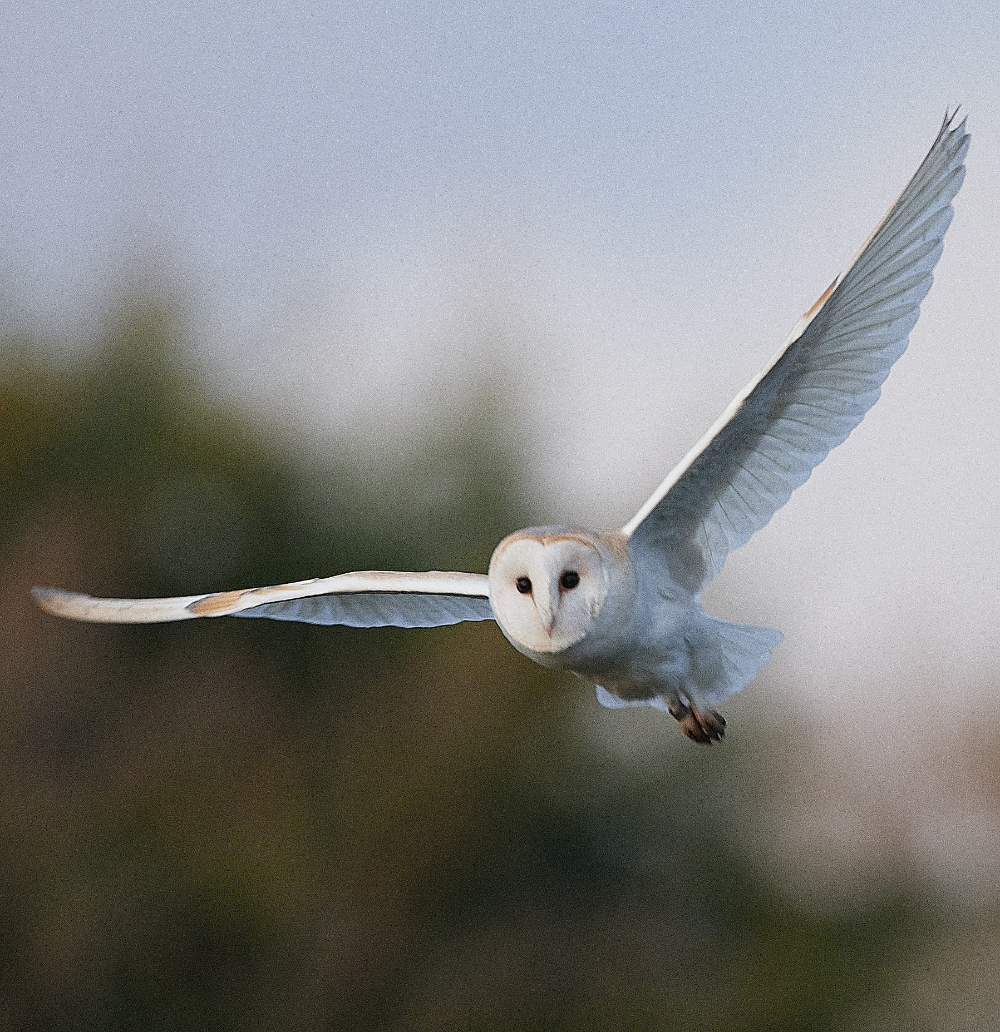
(547, 609)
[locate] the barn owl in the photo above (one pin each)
(622, 608)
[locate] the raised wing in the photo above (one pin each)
(369, 599)
(814, 391)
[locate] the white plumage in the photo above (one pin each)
(622, 608)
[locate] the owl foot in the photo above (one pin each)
(702, 726)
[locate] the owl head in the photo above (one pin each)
(548, 586)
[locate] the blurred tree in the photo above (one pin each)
(238, 824)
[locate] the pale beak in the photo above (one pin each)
(547, 608)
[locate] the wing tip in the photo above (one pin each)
(950, 114)
(76, 605)
(55, 600)
(950, 131)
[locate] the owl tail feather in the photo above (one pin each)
(745, 649)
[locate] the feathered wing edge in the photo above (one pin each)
(815, 390)
(366, 599)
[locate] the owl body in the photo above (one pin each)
(572, 599)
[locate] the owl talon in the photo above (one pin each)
(702, 726)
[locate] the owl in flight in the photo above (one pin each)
(622, 608)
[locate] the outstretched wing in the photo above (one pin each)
(814, 391)
(369, 599)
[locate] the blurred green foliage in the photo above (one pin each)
(231, 824)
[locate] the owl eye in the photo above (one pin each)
(569, 579)
(523, 585)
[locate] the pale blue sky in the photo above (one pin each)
(263, 141)
(631, 203)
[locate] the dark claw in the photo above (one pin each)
(702, 726)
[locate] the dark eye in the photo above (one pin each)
(569, 580)
(523, 585)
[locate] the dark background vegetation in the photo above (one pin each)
(230, 824)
